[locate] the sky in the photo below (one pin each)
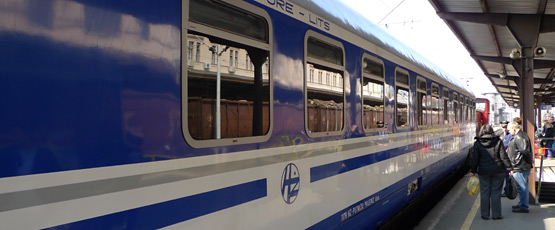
(415, 23)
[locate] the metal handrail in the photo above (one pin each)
(540, 179)
(541, 165)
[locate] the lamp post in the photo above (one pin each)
(218, 89)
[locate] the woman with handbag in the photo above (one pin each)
(490, 160)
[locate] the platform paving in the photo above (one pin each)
(458, 210)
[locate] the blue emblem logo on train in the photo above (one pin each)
(290, 183)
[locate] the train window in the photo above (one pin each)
(464, 112)
(372, 93)
(445, 106)
(240, 110)
(461, 108)
(467, 114)
(402, 98)
(435, 105)
(324, 112)
(456, 107)
(422, 105)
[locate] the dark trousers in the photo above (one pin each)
(506, 188)
(490, 194)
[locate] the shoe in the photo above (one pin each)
(516, 206)
(521, 210)
(498, 218)
(485, 218)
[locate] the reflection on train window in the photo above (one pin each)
(422, 107)
(244, 108)
(372, 93)
(435, 105)
(402, 98)
(324, 97)
(445, 106)
(456, 107)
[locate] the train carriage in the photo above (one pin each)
(220, 114)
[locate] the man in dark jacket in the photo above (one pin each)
(520, 154)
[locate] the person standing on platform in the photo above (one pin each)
(489, 160)
(506, 137)
(548, 133)
(520, 154)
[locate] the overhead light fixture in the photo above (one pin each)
(515, 53)
(502, 75)
(539, 51)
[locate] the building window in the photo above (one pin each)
(230, 58)
(247, 62)
(236, 58)
(190, 51)
(213, 55)
(197, 57)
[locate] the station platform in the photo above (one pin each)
(458, 210)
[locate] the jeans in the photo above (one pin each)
(490, 193)
(521, 179)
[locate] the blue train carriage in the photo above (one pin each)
(195, 114)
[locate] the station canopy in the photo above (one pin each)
(499, 34)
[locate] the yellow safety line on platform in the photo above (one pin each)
(471, 214)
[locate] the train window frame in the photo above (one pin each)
(338, 67)
(419, 110)
(446, 106)
(375, 79)
(406, 87)
(436, 95)
(232, 38)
